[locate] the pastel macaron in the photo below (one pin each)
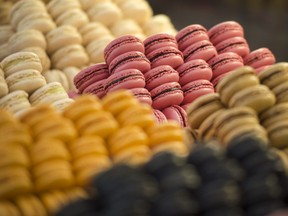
(125, 79)
(237, 45)
(203, 49)
(97, 88)
(158, 41)
(130, 60)
(142, 94)
(3, 86)
(122, 45)
(167, 55)
(160, 75)
(194, 70)
(90, 75)
(176, 113)
(225, 30)
(159, 116)
(190, 35)
(166, 95)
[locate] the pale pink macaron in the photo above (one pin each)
(90, 75)
(122, 45)
(158, 41)
(160, 75)
(195, 89)
(260, 58)
(130, 60)
(190, 35)
(96, 88)
(194, 70)
(166, 55)
(166, 95)
(236, 44)
(225, 30)
(73, 94)
(142, 94)
(200, 50)
(159, 116)
(125, 79)
(177, 114)
(224, 63)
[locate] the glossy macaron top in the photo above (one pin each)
(235, 44)
(166, 56)
(158, 41)
(191, 34)
(90, 75)
(194, 70)
(130, 60)
(160, 75)
(225, 30)
(122, 45)
(259, 57)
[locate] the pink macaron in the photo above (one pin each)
(122, 45)
(142, 94)
(177, 114)
(90, 75)
(125, 79)
(190, 35)
(73, 94)
(96, 88)
(159, 116)
(167, 55)
(200, 50)
(194, 70)
(236, 44)
(158, 41)
(166, 95)
(195, 89)
(130, 60)
(259, 58)
(217, 79)
(224, 63)
(225, 30)
(160, 75)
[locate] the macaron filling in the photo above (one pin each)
(123, 78)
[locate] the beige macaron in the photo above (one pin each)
(5, 8)
(56, 76)
(3, 86)
(159, 24)
(125, 27)
(274, 114)
(58, 7)
(75, 17)
(6, 33)
(70, 73)
(4, 51)
(281, 92)
(86, 4)
(41, 53)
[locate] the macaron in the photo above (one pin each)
(167, 55)
(97, 88)
(257, 97)
(194, 70)
(125, 79)
(160, 75)
(281, 92)
(70, 73)
(130, 60)
(166, 95)
(239, 78)
(201, 108)
(74, 17)
(203, 49)
(159, 116)
(190, 35)
(274, 114)
(177, 114)
(122, 45)
(56, 8)
(259, 58)
(3, 87)
(9, 208)
(142, 94)
(42, 55)
(224, 63)
(160, 40)
(15, 101)
(235, 44)
(28, 80)
(195, 89)
(278, 134)
(29, 204)
(90, 75)
(20, 61)
(159, 23)
(274, 75)
(225, 30)
(56, 76)
(13, 155)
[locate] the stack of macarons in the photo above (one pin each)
(3, 85)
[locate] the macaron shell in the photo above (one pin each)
(274, 114)
(278, 134)
(160, 75)
(166, 95)
(194, 70)
(125, 79)
(166, 56)
(3, 87)
(142, 94)
(236, 44)
(97, 88)
(177, 114)
(259, 58)
(160, 40)
(281, 92)
(196, 89)
(159, 116)
(200, 50)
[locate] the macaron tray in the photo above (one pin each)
(107, 109)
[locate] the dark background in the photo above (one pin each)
(265, 22)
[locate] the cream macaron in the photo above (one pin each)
(57, 76)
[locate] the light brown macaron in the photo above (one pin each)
(201, 108)
(274, 114)
(6, 33)
(278, 134)
(235, 81)
(281, 92)
(257, 97)
(274, 74)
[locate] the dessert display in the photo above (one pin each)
(107, 109)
